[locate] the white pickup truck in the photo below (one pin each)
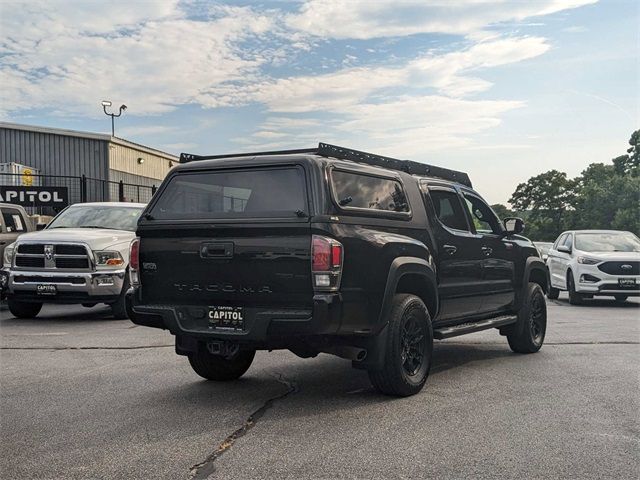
(81, 257)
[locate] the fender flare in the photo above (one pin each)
(534, 264)
(402, 266)
(399, 267)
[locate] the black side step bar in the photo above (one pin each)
(454, 331)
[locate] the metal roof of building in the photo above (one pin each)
(91, 135)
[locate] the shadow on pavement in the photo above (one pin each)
(597, 302)
(50, 314)
(322, 384)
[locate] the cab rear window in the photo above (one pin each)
(255, 193)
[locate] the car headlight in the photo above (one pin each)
(8, 255)
(588, 261)
(108, 259)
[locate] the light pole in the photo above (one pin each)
(107, 103)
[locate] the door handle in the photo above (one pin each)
(487, 251)
(450, 249)
(216, 250)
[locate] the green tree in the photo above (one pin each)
(546, 198)
(602, 197)
(629, 164)
(502, 211)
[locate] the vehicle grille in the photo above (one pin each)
(37, 279)
(36, 262)
(615, 286)
(70, 250)
(615, 268)
(52, 256)
(62, 262)
(31, 248)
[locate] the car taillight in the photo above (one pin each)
(326, 263)
(336, 255)
(134, 262)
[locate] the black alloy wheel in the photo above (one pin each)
(414, 345)
(537, 319)
(407, 350)
(527, 334)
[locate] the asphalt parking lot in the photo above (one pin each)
(85, 396)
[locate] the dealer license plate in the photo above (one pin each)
(46, 289)
(227, 317)
(626, 282)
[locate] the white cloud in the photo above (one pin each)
(178, 147)
(145, 130)
(148, 55)
(156, 57)
(575, 29)
(364, 19)
(374, 103)
(406, 126)
(338, 91)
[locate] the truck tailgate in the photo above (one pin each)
(234, 265)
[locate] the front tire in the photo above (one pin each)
(118, 308)
(553, 293)
(574, 297)
(24, 309)
(527, 334)
(219, 368)
(407, 355)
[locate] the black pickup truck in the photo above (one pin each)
(330, 250)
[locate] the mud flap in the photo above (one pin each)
(375, 347)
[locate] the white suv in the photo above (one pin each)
(595, 262)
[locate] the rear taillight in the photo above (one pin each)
(134, 262)
(326, 263)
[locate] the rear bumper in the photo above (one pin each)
(262, 325)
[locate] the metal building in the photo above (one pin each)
(91, 166)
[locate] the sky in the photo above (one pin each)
(503, 90)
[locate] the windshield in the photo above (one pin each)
(607, 242)
(98, 216)
(543, 247)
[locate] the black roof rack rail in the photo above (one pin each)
(408, 166)
(189, 157)
(342, 153)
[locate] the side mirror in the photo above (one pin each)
(564, 249)
(513, 225)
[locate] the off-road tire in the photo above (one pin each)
(23, 309)
(553, 293)
(621, 298)
(574, 297)
(219, 368)
(405, 348)
(527, 334)
(118, 308)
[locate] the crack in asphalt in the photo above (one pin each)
(133, 347)
(205, 468)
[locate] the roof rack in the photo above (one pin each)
(342, 153)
